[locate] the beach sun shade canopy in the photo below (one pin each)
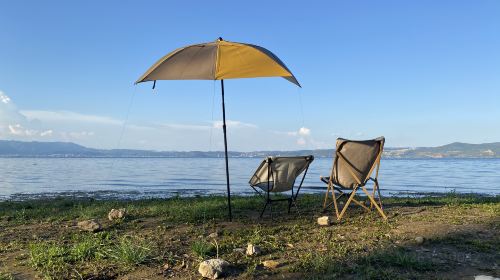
(219, 60)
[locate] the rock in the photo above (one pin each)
(419, 240)
(272, 264)
(485, 277)
(213, 235)
(325, 221)
(117, 214)
(213, 268)
(89, 225)
(253, 250)
(166, 266)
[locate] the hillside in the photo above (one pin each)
(66, 149)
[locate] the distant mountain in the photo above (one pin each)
(456, 150)
(66, 149)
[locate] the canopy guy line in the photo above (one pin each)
(212, 120)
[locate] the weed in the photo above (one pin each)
(202, 249)
(50, 259)
(6, 276)
(131, 251)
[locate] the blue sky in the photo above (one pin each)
(421, 73)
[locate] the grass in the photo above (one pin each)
(172, 234)
(55, 260)
(203, 249)
(6, 276)
(131, 251)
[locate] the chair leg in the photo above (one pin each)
(379, 196)
(347, 204)
(264, 209)
(361, 204)
(294, 202)
(372, 200)
(326, 197)
(335, 202)
(334, 199)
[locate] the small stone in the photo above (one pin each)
(485, 277)
(117, 214)
(253, 250)
(272, 264)
(89, 225)
(419, 240)
(166, 266)
(289, 245)
(213, 268)
(325, 221)
(213, 235)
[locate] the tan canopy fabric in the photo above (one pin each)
(357, 157)
(284, 171)
(218, 60)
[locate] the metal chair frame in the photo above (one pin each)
(292, 199)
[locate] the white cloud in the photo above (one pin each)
(68, 116)
(107, 132)
(4, 98)
(234, 124)
(19, 130)
(16, 129)
(46, 133)
(304, 131)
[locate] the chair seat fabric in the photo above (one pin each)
(284, 171)
(263, 186)
(357, 157)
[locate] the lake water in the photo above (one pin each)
(22, 178)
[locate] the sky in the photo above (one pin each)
(420, 73)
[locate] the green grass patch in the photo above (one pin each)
(203, 249)
(71, 259)
(6, 276)
(131, 251)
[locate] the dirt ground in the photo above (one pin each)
(460, 240)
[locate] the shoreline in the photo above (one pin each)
(179, 193)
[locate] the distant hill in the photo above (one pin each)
(453, 150)
(66, 149)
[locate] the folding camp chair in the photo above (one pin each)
(278, 174)
(353, 166)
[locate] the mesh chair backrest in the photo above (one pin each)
(284, 172)
(359, 156)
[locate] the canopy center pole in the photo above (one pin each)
(225, 151)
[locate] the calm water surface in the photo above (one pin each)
(163, 177)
